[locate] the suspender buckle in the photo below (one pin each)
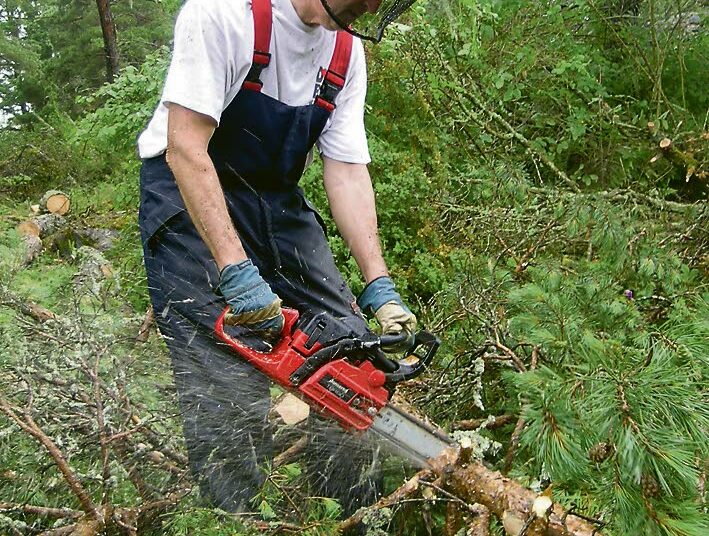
(259, 63)
(331, 85)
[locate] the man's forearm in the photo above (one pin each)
(349, 191)
(188, 138)
(204, 199)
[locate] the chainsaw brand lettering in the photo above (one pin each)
(336, 388)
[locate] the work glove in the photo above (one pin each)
(380, 298)
(253, 304)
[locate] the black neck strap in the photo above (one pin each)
(348, 29)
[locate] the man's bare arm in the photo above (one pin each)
(349, 190)
(188, 135)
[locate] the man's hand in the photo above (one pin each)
(381, 299)
(253, 303)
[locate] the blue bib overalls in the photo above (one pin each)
(259, 151)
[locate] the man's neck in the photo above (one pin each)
(310, 11)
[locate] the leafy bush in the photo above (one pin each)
(123, 108)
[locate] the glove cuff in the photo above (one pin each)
(378, 292)
(230, 269)
(241, 284)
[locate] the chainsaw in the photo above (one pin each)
(348, 378)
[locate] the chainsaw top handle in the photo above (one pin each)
(416, 358)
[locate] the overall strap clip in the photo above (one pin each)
(262, 44)
(334, 77)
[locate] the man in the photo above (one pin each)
(252, 87)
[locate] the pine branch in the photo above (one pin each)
(43, 511)
(27, 424)
(408, 488)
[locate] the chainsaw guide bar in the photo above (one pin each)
(409, 436)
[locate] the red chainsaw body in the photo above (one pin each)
(351, 393)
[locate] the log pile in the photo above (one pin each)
(49, 229)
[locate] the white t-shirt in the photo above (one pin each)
(212, 55)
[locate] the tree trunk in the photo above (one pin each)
(108, 28)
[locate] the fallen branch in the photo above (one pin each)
(514, 443)
(490, 423)
(26, 307)
(290, 453)
(27, 423)
(409, 487)
(69, 530)
(43, 511)
(148, 321)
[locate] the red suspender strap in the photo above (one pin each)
(334, 79)
(262, 43)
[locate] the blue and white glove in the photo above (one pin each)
(253, 304)
(381, 299)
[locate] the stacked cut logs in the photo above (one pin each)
(48, 229)
(47, 219)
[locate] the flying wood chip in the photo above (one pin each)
(292, 409)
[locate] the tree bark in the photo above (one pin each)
(108, 28)
(507, 499)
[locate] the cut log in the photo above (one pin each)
(55, 202)
(292, 409)
(507, 499)
(33, 247)
(41, 226)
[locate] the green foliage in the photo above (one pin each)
(123, 108)
(53, 49)
(558, 75)
(284, 496)
(207, 522)
(41, 156)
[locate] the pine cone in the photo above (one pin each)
(599, 452)
(649, 486)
